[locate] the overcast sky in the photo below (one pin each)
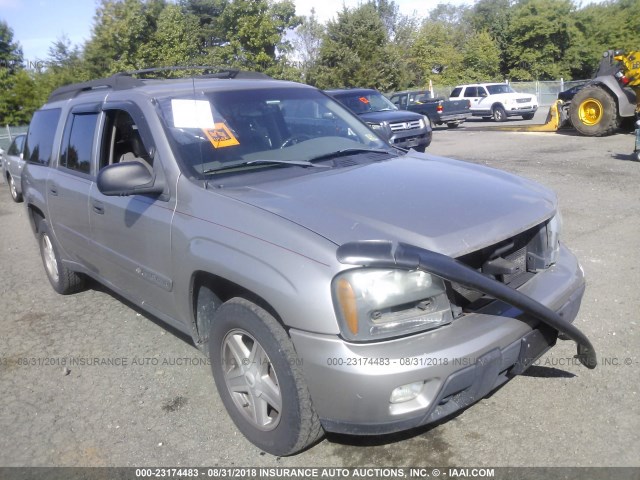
(38, 23)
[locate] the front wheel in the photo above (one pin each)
(17, 197)
(593, 112)
(259, 378)
(499, 114)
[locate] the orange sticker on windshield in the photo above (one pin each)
(220, 136)
(364, 100)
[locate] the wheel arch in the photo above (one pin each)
(207, 292)
(625, 107)
(35, 216)
(497, 104)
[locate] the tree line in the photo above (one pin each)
(371, 45)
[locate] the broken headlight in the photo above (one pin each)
(554, 229)
(374, 304)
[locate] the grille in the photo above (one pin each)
(513, 250)
(398, 127)
(523, 100)
(519, 258)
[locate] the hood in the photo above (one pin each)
(391, 116)
(443, 205)
(515, 95)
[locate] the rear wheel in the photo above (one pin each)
(528, 116)
(17, 197)
(593, 112)
(499, 114)
(63, 280)
(259, 379)
(453, 125)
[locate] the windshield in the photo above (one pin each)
(214, 131)
(496, 89)
(365, 102)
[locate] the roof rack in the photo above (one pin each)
(119, 81)
(126, 80)
(215, 72)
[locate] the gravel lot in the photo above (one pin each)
(162, 409)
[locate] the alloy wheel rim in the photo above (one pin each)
(251, 380)
(50, 258)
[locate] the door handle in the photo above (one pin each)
(53, 191)
(98, 207)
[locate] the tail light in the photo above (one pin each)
(622, 78)
(439, 108)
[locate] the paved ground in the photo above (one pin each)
(158, 411)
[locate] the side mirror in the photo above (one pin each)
(128, 178)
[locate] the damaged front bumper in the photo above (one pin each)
(460, 363)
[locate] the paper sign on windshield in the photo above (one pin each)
(191, 113)
(220, 136)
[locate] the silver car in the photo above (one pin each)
(337, 283)
(12, 165)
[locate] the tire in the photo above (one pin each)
(15, 196)
(63, 280)
(499, 114)
(528, 116)
(250, 351)
(453, 125)
(593, 112)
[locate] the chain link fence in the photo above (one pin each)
(546, 91)
(8, 133)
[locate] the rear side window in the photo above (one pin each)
(471, 92)
(40, 137)
(78, 142)
(456, 92)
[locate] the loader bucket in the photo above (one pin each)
(552, 123)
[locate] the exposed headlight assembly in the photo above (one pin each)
(544, 249)
(554, 229)
(372, 304)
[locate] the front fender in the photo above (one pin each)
(625, 97)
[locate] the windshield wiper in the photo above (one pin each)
(348, 151)
(231, 166)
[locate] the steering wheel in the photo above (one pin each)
(294, 139)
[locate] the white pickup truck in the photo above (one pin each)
(496, 100)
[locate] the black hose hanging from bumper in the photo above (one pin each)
(384, 254)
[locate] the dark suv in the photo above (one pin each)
(401, 128)
(337, 283)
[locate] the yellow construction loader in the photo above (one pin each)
(599, 107)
